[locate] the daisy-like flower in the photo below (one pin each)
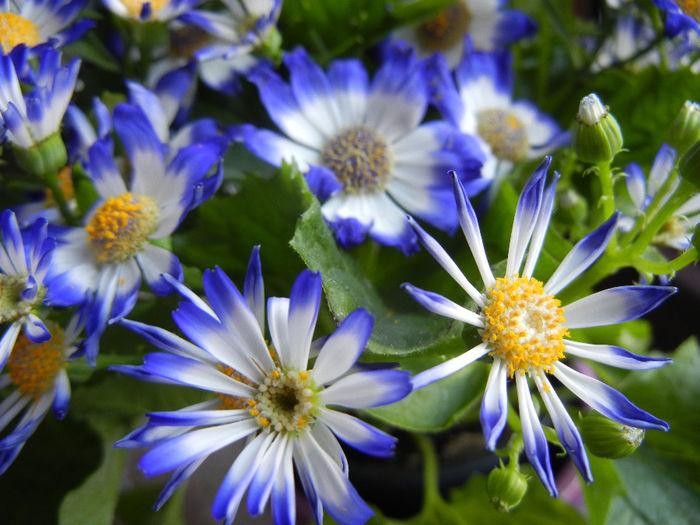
(231, 37)
(361, 145)
(24, 264)
(104, 260)
(482, 105)
(35, 381)
(145, 10)
(681, 15)
(487, 23)
(267, 395)
(32, 118)
(524, 328)
(35, 22)
(678, 231)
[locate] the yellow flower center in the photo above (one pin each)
(15, 30)
(120, 226)
(285, 402)
(134, 7)
(12, 306)
(504, 133)
(690, 8)
(446, 29)
(33, 367)
(523, 325)
(359, 159)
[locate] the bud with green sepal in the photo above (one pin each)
(43, 158)
(685, 129)
(608, 439)
(506, 487)
(597, 136)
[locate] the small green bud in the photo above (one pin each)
(607, 439)
(685, 129)
(689, 165)
(596, 136)
(271, 46)
(43, 159)
(506, 488)
(572, 206)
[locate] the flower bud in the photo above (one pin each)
(689, 165)
(44, 159)
(607, 439)
(685, 129)
(597, 136)
(506, 488)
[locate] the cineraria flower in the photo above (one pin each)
(678, 231)
(525, 329)
(681, 15)
(37, 381)
(24, 263)
(361, 147)
(482, 105)
(105, 258)
(226, 52)
(31, 118)
(145, 10)
(488, 25)
(267, 395)
(36, 22)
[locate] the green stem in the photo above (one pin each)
(606, 205)
(52, 183)
(431, 493)
(687, 257)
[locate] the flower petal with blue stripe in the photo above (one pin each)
(280, 406)
(361, 144)
(524, 328)
(105, 259)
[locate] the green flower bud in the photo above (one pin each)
(607, 439)
(506, 488)
(43, 159)
(685, 129)
(689, 165)
(597, 136)
(271, 46)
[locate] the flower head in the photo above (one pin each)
(36, 116)
(488, 24)
(361, 145)
(678, 231)
(103, 261)
(226, 50)
(35, 22)
(481, 104)
(35, 380)
(524, 328)
(268, 394)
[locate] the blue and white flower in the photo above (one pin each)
(31, 118)
(24, 264)
(35, 22)
(489, 25)
(482, 105)
(35, 381)
(678, 231)
(266, 395)
(146, 11)
(525, 330)
(681, 16)
(233, 36)
(361, 146)
(104, 260)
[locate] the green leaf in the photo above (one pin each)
(93, 503)
(437, 406)
(91, 49)
(600, 494)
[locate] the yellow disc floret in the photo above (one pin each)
(690, 8)
(446, 29)
(33, 366)
(15, 30)
(523, 325)
(504, 133)
(286, 401)
(134, 7)
(120, 226)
